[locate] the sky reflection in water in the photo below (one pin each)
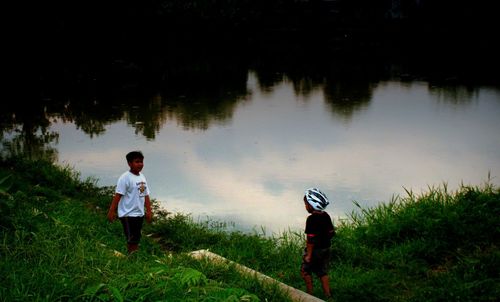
(253, 169)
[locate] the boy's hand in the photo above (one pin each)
(149, 217)
(147, 206)
(309, 252)
(113, 206)
(307, 258)
(111, 215)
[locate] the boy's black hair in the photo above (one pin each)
(133, 155)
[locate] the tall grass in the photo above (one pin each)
(55, 244)
(436, 246)
(439, 246)
(278, 256)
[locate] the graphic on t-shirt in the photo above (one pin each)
(142, 187)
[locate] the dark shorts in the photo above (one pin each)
(132, 227)
(318, 264)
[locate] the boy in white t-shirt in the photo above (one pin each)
(131, 199)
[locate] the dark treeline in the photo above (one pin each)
(90, 48)
(84, 34)
(92, 62)
(158, 24)
(82, 46)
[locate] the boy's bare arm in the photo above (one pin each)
(309, 250)
(149, 212)
(113, 207)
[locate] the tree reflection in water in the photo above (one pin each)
(196, 88)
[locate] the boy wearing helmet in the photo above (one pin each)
(319, 232)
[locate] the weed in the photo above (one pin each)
(55, 244)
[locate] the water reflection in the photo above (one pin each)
(347, 98)
(454, 94)
(27, 132)
(241, 146)
(251, 169)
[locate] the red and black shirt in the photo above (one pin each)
(319, 230)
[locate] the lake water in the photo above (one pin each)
(252, 167)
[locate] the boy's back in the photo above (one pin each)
(319, 225)
(319, 232)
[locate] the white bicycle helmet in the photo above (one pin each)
(316, 199)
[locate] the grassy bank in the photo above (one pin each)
(56, 245)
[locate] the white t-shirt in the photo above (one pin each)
(134, 189)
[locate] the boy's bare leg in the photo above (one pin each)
(309, 283)
(326, 285)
